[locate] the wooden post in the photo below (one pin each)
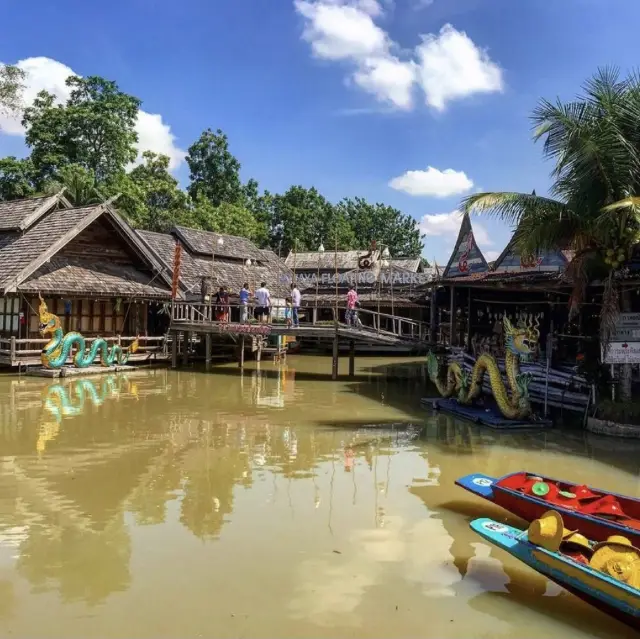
(468, 344)
(185, 348)
(334, 363)
(432, 316)
(352, 358)
(259, 351)
(207, 350)
(452, 317)
(174, 349)
(13, 350)
(241, 354)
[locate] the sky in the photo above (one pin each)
(414, 103)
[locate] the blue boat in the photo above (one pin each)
(614, 597)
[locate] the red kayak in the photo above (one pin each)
(595, 513)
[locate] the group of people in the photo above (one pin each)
(262, 310)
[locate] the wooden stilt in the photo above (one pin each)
(241, 354)
(432, 316)
(334, 363)
(259, 351)
(185, 348)
(207, 347)
(452, 318)
(174, 349)
(352, 358)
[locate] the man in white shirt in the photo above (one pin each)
(296, 298)
(263, 307)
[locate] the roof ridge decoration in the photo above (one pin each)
(466, 258)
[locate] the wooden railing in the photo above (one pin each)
(27, 351)
(203, 313)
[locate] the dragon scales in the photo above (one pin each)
(520, 342)
(60, 346)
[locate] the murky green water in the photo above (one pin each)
(187, 504)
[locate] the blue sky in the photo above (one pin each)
(343, 95)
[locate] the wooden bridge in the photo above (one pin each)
(191, 319)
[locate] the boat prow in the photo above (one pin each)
(478, 484)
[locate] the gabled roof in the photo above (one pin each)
(18, 215)
(195, 267)
(23, 254)
(511, 261)
(467, 258)
(413, 264)
(206, 242)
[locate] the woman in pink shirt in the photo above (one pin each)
(352, 300)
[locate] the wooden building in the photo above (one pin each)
(210, 260)
(86, 262)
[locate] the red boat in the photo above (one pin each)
(596, 513)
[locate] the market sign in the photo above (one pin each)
(622, 353)
(627, 328)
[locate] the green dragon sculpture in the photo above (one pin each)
(520, 342)
(59, 348)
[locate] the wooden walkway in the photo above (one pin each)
(198, 319)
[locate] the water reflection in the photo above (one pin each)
(197, 489)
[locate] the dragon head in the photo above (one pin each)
(521, 340)
(49, 322)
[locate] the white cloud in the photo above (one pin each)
(446, 227)
(50, 75)
(446, 66)
(451, 67)
(490, 256)
(432, 182)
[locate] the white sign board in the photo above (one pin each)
(627, 327)
(622, 353)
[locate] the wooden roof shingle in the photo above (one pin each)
(205, 242)
(17, 215)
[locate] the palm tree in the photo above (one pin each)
(79, 184)
(593, 208)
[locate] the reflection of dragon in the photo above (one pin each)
(57, 350)
(520, 343)
(59, 403)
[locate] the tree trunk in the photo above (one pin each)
(625, 369)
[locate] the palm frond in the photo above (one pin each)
(509, 207)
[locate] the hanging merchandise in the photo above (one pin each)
(67, 307)
(118, 304)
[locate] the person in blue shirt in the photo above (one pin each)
(244, 303)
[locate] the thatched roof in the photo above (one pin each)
(205, 242)
(17, 215)
(412, 264)
(30, 260)
(232, 273)
(73, 276)
(327, 261)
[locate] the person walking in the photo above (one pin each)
(296, 298)
(244, 303)
(352, 300)
(263, 309)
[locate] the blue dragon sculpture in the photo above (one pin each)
(60, 346)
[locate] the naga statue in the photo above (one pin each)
(59, 347)
(520, 342)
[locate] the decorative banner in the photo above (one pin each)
(177, 254)
(245, 329)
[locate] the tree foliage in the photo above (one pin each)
(16, 178)
(95, 129)
(11, 88)
(88, 145)
(215, 171)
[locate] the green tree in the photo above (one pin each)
(79, 184)
(94, 129)
(302, 218)
(11, 88)
(214, 170)
(261, 206)
(16, 178)
(151, 197)
(382, 224)
(593, 208)
(232, 219)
